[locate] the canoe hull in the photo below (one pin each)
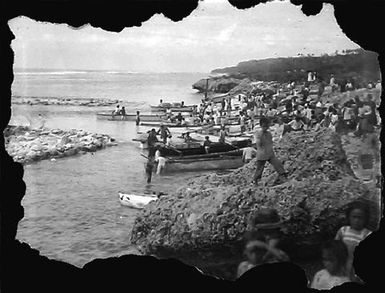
(217, 163)
(131, 117)
(173, 109)
(170, 125)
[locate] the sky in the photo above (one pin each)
(215, 35)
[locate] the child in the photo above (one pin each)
(334, 256)
(263, 241)
(358, 216)
(252, 252)
(267, 224)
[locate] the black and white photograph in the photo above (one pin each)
(228, 140)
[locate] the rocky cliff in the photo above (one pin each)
(360, 65)
(203, 222)
(221, 84)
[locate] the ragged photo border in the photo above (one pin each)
(23, 268)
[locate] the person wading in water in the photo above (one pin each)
(164, 133)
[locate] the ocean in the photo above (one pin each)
(72, 211)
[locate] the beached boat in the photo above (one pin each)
(174, 107)
(170, 125)
(193, 149)
(213, 161)
(131, 117)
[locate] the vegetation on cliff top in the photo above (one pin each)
(349, 64)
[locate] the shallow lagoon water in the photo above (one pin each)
(72, 211)
(71, 205)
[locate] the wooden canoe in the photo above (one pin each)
(173, 108)
(131, 117)
(170, 125)
(215, 161)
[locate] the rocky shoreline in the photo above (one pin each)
(64, 101)
(26, 145)
(203, 222)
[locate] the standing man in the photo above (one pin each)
(137, 119)
(151, 140)
(373, 107)
(265, 152)
(149, 168)
(123, 113)
(222, 135)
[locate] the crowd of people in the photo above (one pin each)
(296, 112)
(293, 107)
(265, 243)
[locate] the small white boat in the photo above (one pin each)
(136, 201)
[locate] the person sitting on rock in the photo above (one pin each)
(265, 152)
(334, 256)
(294, 125)
(358, 216)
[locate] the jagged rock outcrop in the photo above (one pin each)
(203, 223)
(27, 145)
(217, 84)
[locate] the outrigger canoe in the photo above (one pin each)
(213, 161)
(132, 117)
(170, 125)
(180, 108)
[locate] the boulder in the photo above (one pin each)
(71, 152)
(53, 152)
(203, 222)
(243, 87)
(217, 84)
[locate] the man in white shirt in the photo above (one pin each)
(161, 161)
